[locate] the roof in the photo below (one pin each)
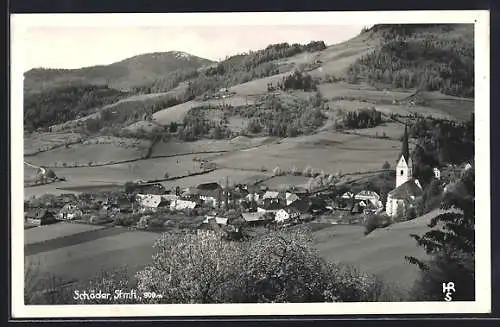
(347, 195)
(253, 216)
(149, 200)
(406, 190)
(271, 195)
(272, 206)
(302, 205)
(291, 197)
(169, 197)
(366, 195)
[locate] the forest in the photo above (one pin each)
(233, 70)
(441, 142)
(413, 57)
(59, 105)
(363, 118)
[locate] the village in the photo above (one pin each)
(150, 206)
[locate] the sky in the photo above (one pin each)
(76, 47)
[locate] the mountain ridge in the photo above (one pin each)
(124, 74)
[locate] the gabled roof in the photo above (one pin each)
(366, 195)
(253, 216)
(406, 190)
(271, 195)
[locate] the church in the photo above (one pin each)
(408, 189)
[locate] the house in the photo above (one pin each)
(437, 173)
(287, 214)
(403, 197)
(182, 205)
(39, 217)
(210, 193)
(368, 196)
(253, 217)
(70, 211)
(271, 195)
(218, 220)
(270, 207)
(148, 200)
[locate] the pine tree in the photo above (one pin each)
(451, 245)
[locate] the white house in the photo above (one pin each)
(69, 212)
(437, 173)
(148, 200)
(182, 204)
(218, 220)
(370, 196)
(286, 214)
(253, 216)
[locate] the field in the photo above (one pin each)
(82, 155)
(328, 151)
(178, 112)
(233, 176)
(285, 182)
(171, 148)
(84, 254)
(91, 248)
(37, 142)
(380, 252)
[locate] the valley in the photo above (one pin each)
(289, 118)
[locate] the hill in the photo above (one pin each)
(125, 74)
(429, 57)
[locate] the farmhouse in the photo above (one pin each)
(218, 220)
(182, 205)
(210, 193)
(39, 217)
(69, 212)
(253, 217)
(368, 196)
(286, 214)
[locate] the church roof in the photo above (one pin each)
(406, 190)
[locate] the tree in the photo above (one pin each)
(308, 171)
(386, 166)
(278, 266)
(451, 245)
(277, 171)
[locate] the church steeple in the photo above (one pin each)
(405, 152)
(404, 169)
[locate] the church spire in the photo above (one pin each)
(405, 152)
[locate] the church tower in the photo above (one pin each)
(403, 167)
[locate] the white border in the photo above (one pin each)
(483, 265)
